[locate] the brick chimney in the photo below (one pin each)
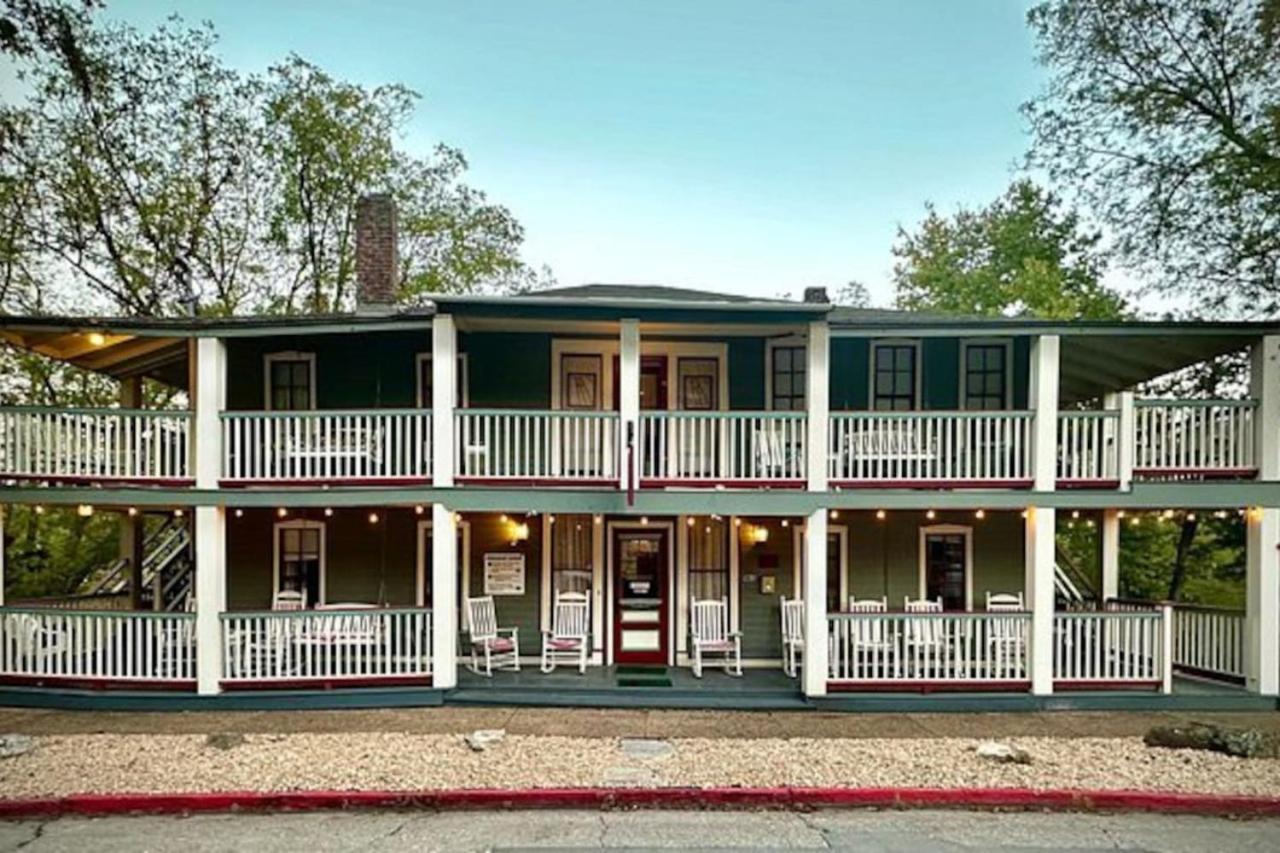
(377, 264)
(816, 295)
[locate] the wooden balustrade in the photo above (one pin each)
(332, 445)
(930, 447)
(95, 444)
(886, 649)
(1088, 447)
(1194, 437)
(1113, 647)
(366, 644)
(1207, 641)
(80, 646)
(520, 444)
(722, 447)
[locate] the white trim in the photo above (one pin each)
(786, 342)
(464, 394)
(1007, 343)
(948, 530)
(918, 391)
(298, 524)
(420, 573)
(672, 350)
(610, 527)
(841, 531)
(287, 355)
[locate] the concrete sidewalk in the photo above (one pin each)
(619, 723)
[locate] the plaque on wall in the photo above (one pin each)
(504, 574)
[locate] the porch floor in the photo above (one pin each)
(608, 687)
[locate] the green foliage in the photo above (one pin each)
(1164, 117)
(51, 553)
(1021, 255)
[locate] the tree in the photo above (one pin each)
(1022, 254)
(853, 294)
(1164, 116)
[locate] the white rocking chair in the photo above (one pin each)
(710, 635)
(792, 635)
(570, 627)
(1004, 602)
(498, 648)
(289, 599)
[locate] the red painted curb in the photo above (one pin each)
(670, 798)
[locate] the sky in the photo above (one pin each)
(739, 145)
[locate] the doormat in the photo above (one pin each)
(643, 676)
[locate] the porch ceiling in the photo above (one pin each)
(115, 354)
(1095, 365)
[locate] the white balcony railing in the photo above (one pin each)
(75, 645)
(1088, 446)
(362, 445)
(1112, 647)
(929, 447)
(1207, 641)
(722, 447)
(326, 645)
(95, 444)
(520, 444)
(872, 649)
(1194, 437)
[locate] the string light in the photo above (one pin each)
(1135, 521)
(930, 514)
(97, 339)
(282, 512)
(835, 513)
(691, 521)
(1222, 513)
(179, 513)
(1075, 513)
(419, 509)
(328, 512)
(373, 518)
(1167, 514)
(1120, 514)
(551, 519)
(84, 510)
(599, 519)
(503, 518)
(1191, 516)
(785, 522)
(881, 515)
(39, 509)
(980, 514)
(644, 519)
(133, 510)
(737, 522)
(239, 513)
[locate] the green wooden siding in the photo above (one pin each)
(759, 618)
(358, 371)
(508, 370)
(746, 373)
(490, 535)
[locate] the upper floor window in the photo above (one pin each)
(426, 381)
(698, 378)
(893, 376)
(787, 366)
(291, 381)
(985, 375)
(581, 381)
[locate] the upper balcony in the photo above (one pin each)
(699, 397)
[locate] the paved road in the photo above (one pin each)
(865, 831)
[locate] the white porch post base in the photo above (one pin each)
(815, 604)
(444, 592)
(1262, 650)
(1040, 530)
(211, 596)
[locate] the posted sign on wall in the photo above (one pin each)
(504, 574)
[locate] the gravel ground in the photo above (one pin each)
(346, 761)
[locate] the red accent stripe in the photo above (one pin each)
(669, 798)
(79, 683)
(328, 683)
(83, 480)
(935, 484)
(926, 686)
(536, 482)
(1107, 685)
(1201, 472)
(1085, 483)
(320, 481)
(660, 483)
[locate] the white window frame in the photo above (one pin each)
(463, 392)
(271, 358)
(917, 390)
(1008, 368)
(671, 350)
(789, 342)
(948, 530)
(299, 524)
(464, 570)
(841, 531)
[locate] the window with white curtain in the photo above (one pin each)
(571, 552)
(708, 558)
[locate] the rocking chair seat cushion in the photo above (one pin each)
(565, 643)
(717, 645)
(498, 644)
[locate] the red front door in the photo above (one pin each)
(641, 595)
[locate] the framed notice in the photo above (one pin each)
(504, 574)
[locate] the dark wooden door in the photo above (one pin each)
(945, 569)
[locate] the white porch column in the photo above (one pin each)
(818, 395)
(444, 592)
(629, 400)
(1044, 403)
(444, 391)
(1262, 575)
(1110, 536)
(1126, 441)
(1040, 531)
(815, 604)
(1, 555)
(209, 399)
(1262, 601)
